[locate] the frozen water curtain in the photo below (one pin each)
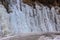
(23, 18)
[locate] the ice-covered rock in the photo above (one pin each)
(4, 21)
(25, 18)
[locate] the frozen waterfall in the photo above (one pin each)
(24, 18)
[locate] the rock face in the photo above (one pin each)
(24, 18)
(48, 3)
(5, 3)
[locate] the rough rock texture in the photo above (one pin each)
(48, 3)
